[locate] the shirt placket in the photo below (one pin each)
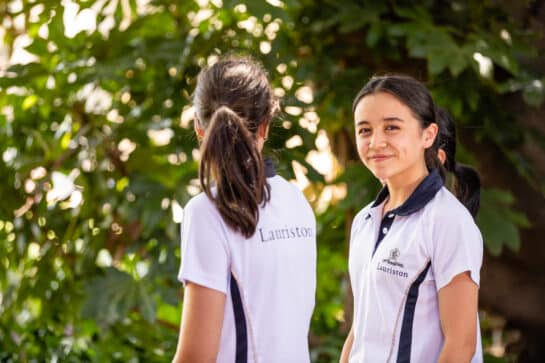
(385, 226)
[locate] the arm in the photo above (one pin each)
(458, 313)
(200, 329)
(347, 347)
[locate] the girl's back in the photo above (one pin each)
(269, 278)
(248, 241)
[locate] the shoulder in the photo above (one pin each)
(446, 212)
(364, 211)
(201, 204)
(279, 182)
(203, 220)
(445, 205)
(200, 200)
(283, 189)
(361, 216)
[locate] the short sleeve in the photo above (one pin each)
(205, 258)
(457, 246)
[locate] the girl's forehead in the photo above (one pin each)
(380, 99)
(380, 105)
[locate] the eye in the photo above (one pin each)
(364, 131)
(391, 128)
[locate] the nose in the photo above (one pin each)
(377, 140)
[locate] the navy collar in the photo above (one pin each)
(423, 193)
(269, 168)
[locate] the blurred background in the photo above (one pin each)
(98, 155)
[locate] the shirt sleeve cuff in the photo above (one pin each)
(203, 280)
(445, 278)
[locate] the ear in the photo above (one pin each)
(442, 156)
(197, 126)
(430, 133)
(263, 130)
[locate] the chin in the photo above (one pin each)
(381, 175)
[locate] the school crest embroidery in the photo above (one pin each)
(394, 256)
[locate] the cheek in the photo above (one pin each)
(362, 145)
(411, 148)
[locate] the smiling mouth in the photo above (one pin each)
(379, 158)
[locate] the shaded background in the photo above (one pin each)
(98, 155)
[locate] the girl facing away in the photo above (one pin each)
(249, 240)
(415, 252)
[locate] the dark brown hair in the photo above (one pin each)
(416, 97)
(232, 99)
(467, 183)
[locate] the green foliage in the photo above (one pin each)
(96, 157)
(499, 222)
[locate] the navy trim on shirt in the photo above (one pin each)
(423, 193)
(269, 168)
(241, 355)
(385, 226)
(406, 334)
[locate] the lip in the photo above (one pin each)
(379, 158)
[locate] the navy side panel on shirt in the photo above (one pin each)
(406, 335)
(241, 355)
(240, 324)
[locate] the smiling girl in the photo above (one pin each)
(415, 252)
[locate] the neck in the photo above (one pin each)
(400, 187)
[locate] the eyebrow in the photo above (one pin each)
(392, 118)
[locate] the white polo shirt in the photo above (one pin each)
(269, 279)
(398, 264)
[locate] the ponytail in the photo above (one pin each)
(467, 187)
(229, 156)
(467, 183)
(433, 162)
